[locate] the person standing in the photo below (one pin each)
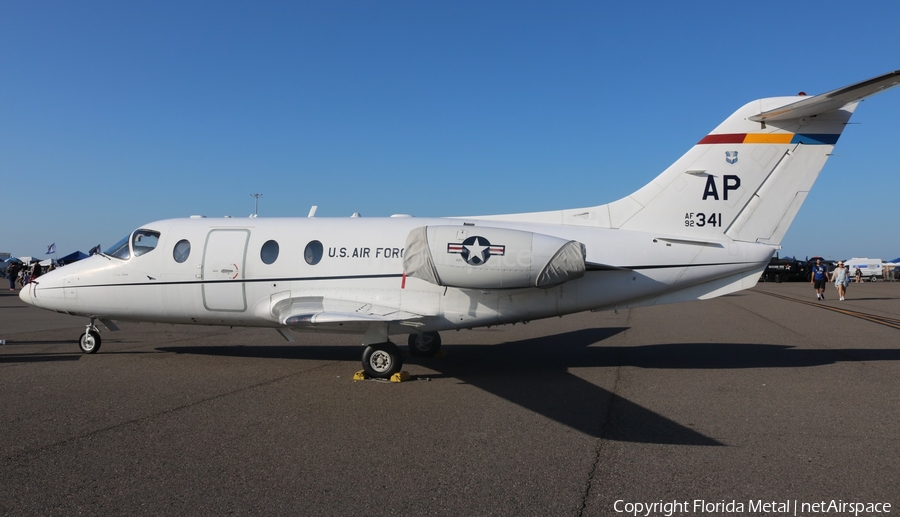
(12, 274)
(847, 279)
(839, 277)
(36, 271)
(858, 275)
(818, 278)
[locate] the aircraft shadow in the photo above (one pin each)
(695, 356)
(37, 358)
(42, 342)
(533, 373)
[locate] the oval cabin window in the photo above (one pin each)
(182, 251)
(269, 252)
(313, 253)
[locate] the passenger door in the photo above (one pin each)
(224, 256)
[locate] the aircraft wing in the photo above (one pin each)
(830, 101)
(324, 313)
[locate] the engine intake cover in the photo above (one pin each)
(491, 258)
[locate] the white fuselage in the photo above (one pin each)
(704, 227)
(224, 280)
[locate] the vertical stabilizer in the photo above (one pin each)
(747, 179)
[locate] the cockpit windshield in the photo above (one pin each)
(142, 241)
(119, 249)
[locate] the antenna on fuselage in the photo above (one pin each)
(256, 205)
(312, 210)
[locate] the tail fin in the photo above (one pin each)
(749, 176)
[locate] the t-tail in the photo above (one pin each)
(748, 177)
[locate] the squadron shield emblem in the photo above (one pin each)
(476, 250)
(731, 157)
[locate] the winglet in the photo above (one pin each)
(830, 101)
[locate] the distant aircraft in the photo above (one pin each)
(705, 227)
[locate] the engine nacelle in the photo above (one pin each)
(491, 258)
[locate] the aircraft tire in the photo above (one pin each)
(425, 344)
(382, 360)
(89, 342)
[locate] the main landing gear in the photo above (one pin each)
(382, 360)
(89, 342)
(425, 344)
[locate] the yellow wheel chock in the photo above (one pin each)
(397, 377)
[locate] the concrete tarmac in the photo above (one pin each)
(758, 397)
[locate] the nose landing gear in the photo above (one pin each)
(89, 342)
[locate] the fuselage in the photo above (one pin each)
(235, 271)
(704, 227)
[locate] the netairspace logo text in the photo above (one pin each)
(793, 507)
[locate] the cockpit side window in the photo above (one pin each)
(144, 241)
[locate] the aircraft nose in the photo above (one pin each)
(25, 294)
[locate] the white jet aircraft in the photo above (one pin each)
(705, 227)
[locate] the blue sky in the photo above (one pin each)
(114, 114)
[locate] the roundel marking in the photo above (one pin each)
(476, 250)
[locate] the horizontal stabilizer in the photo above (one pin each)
(831, 101)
